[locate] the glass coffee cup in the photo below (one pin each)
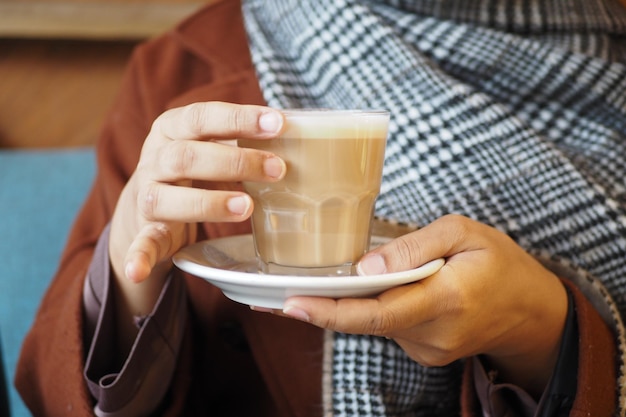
(316, 221)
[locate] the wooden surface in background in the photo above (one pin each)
(91, 19)
(61, 63)
(56, 93)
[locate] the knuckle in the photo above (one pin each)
(409, 250)
(240, 120)
(382, 324)
(148, 200)
(446, 352)
(195, 115)
(460, 224)
(162, 239)
(202, 206)
(180, 156)
(238, 162)
(330, 323)
(450, 347)
(332, 320)
(439, 351)
(158, 123)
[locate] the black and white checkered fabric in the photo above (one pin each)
(510, 112)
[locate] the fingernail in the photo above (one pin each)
(274, 167)
(129, 271)
(371, 265)
(270, 122)
(238, 205)
(296, 313)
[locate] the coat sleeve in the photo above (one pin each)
(138, 385)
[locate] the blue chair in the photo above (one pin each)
(40, 193)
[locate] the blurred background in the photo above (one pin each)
(61, 62)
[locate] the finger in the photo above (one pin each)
(150, 246)
(345, 315)
(363, 316)
(386, 315)
(218, 120)
(181, 160)
(164, 202)
(442, 238)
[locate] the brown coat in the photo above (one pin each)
(277, 372)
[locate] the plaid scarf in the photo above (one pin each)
(511, 113)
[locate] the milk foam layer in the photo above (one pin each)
(336, 124)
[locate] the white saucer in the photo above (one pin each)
(230, 264)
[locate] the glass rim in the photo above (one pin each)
(330, 112)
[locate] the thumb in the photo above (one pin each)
(150, 246)
(442, 238)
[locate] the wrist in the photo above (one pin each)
(529, 358)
